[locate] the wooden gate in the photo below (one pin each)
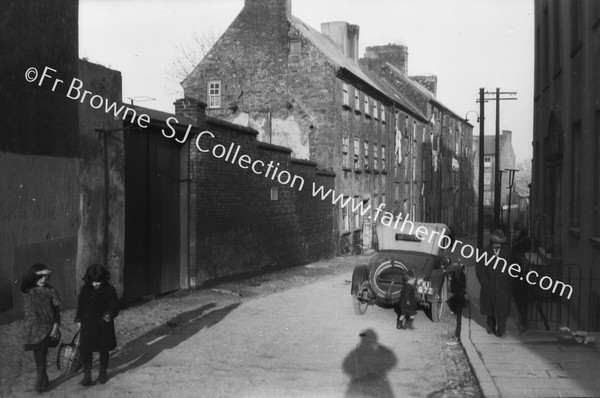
(152, 216)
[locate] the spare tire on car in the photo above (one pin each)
(386, 280)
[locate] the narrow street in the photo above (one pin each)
(301, 341)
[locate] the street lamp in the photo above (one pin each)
(467, 116)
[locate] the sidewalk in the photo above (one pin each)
(530, 364)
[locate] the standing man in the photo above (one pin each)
(496, 286)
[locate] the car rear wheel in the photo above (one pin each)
(438, 305)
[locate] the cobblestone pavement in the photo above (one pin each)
(17, 367)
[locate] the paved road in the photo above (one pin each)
(301, 342)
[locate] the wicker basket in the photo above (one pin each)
(69, 357)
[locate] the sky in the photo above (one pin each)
(467, 44)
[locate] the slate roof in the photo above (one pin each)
(337, 57)
(421, 89)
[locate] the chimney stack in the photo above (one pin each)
(269, 7)
(344, 35)
(394, 54)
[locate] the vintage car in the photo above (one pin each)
(399, 250)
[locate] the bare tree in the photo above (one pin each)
(189, 54)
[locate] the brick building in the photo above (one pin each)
(566, 154)
(444, 160)
(305, 89)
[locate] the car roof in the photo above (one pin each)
(414, 236)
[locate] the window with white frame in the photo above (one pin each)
(375, 155)
(214, 94)
(375, 107)
(366, 151)
(346, 100)
(356, 153)
(382, 113)
(295, 46)
(357, 99)
(366, 105)
(383, 157)
(345, 217)
(345, 152)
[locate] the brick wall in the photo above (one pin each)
(235, 226)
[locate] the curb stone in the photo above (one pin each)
(486, 382)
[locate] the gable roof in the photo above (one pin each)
(421, 89)
(335, 55)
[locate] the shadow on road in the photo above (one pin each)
(367, 365)
(146, 347)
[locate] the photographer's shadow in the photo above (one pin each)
(368, 365)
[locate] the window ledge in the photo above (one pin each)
(595, 241)
(357, 111)
(346, 232)
(384, 172)
(368, 116)
(346, 106)
(375, 171)
(346, 169)
(358, 171)
(574, 232)
(368, 171)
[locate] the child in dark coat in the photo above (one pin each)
(42, 318)
(408, 302)
(97, 307)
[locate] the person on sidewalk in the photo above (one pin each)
(407, 307)
(458, 287)
(42, 319)
(496, 286)
(97, 307)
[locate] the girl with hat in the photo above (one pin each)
(42, 318)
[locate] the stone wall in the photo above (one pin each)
(243, 222)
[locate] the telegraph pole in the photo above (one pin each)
(481, 150)
(497, 186)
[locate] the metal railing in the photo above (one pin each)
(543, 309)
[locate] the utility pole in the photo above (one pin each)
(481, 150)
(497, 186)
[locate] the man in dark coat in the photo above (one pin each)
(496, 286)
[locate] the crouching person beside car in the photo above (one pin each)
(407, 307)
(97, 307)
